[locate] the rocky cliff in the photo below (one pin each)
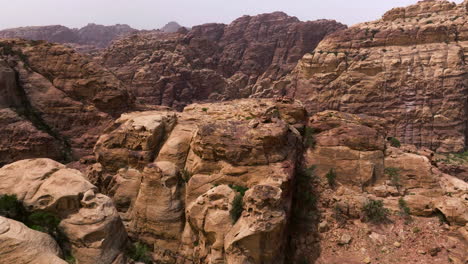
(214, 61)
(208, 185)
(408, 67)
(54, 102)
(90, 37)
(245, 181)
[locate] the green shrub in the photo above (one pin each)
(237, 208)
(204, 109)
(375, 211)
(70, 259)
(139, 252)
(430, 22)
(405, 211)
(394, 174)
(237, 203)
(309, 139)
(394, 142)
(44, 221)
(10, 207)
(240, 189)
(331, 178)
(416, 230)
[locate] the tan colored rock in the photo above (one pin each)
(349, 145)
(21, 245)
(395, 68)
(134, 139)
(208, 145)
(89, 220)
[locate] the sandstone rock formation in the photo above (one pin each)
(214, 61)
(175, 176)
(353, 165)
(88, 219)
(408, 67)
(21, 245)
(54, 102)
(88, 37)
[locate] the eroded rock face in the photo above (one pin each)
(408, 67)
(19, 244)
(180, 200)
(89, 220)
(54, 102)
(366, 167)
(214, 61)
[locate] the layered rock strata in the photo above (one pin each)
(408, 67)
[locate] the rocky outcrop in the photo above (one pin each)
(214, 61)
(177, 177)
(89, 220)
(351, 163)
(408, 67)
(90, 37)
(21, 245)
(54, 102)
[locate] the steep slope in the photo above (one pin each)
(408, 67)
(54, 102)
(214, 61)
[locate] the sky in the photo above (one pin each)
(151, 14)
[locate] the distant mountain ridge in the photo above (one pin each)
(99, 36)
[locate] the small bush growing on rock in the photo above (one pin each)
(44, 221)
(10, 207)
(394, 142)
(405, 211)
(204, 109)
(70, 259)
(240, 189)
(331, 178)
(375, 211)
(309, 139)
(237, 208)
(394, 174)
(237, 203)
(139, 252)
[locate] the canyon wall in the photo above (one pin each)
(213, 61)
(408, 67)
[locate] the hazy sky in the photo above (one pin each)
(149, 14)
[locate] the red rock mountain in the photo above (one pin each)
(54, 102)
(409, 67)
(214, 61)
